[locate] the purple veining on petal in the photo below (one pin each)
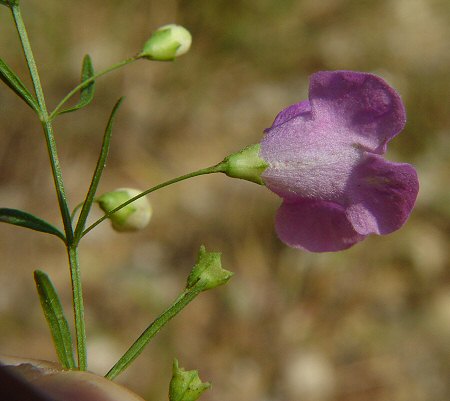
(326, 152)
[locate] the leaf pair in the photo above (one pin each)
(9, 77)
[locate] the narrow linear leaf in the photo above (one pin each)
(24, 219)
(14, 82)
(57, 322)
(97, 173)
(86, 92)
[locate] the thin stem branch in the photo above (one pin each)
(83, 84)
(219, 168)
(138, 346)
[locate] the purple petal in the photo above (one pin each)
(291, 112)
(360, 106)
(305, 161)
(316, 226)
(383, 194)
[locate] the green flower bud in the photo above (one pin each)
(185, 385)
(132, 217)
(208, 272)
(166, 43)
(246, 164)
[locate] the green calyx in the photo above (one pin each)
(185, 384)
(246, 164)
(208, 272)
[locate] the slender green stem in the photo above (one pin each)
(20, 26)
(46, 125)
(59, 186)
(218, 168)
(135, 350)
(58, 180)
(83, 84)
(78, 308)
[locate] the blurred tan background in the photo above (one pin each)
(368, 324)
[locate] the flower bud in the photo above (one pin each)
(246, 164)
(166, 43)
(185, 385)
(132, 217)
(208, 272)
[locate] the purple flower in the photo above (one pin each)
(325, 160)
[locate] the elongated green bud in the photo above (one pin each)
(167, 43)
(132, 217)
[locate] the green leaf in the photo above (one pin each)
(101, 162)
(14, 82)
(186, 385)
(57, 322)
(24, 219)
(87, 91)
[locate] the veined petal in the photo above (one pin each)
(362, 108)
(318, 173)
(295, 110)
(316, 226)
(382, 195)
(305, 158)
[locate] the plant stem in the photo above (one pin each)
(218, 168)
(135, 350)
(59, 186)
(46, 125)
(83, 84)
(78, 308)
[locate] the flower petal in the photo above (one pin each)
(317, 226)
(361, 107)
(383, 194)
(291, 112)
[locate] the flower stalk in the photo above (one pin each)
(86, 82)
(205, 275)
(218, 168)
